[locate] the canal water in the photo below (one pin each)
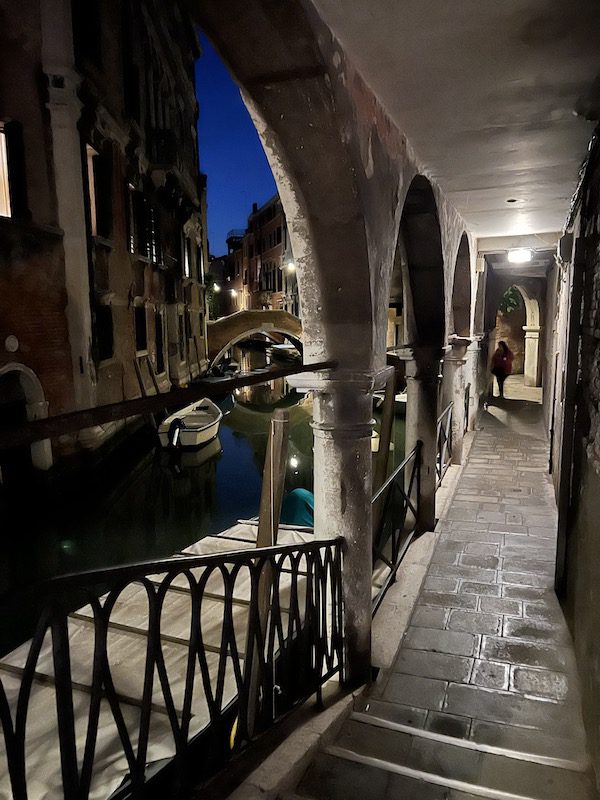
(140, 502)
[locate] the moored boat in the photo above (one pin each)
(192, 426)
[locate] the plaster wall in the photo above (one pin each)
(580, 473)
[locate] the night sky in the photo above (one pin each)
(231, 154)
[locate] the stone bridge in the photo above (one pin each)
(227, 331)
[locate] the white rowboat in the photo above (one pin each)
(192, 426)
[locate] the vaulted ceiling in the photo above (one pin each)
(487, 92)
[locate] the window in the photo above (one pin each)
(13, 180)
(278, 234)
(188, 327)
(155, 244)
(141, 333)
(103, 322)
(187, 257)
(99, 174)
(86, 32)
(181, 337)
(159, 342)
(5, 206)
(200, 263)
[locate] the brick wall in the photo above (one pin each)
(32, 308)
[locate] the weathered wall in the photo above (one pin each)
(32, 275)
(579, 471)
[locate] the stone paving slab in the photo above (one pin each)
(487, 629)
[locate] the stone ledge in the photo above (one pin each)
(281, 771)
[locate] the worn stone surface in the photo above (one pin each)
(487, 655)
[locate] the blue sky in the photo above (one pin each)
(231, 154)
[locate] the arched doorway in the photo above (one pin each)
(22, 399)
(518, 324)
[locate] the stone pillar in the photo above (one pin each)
(64, 109)
(532, 355)
(454, 373)
(342, 425)
(476, 378)
(422, 382)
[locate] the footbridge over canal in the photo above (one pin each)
(224, 333)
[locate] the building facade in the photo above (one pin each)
(102, 209)
(259, 270)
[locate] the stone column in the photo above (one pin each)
(454, 371)
(422, 382)
(532, 355)
(342, 425)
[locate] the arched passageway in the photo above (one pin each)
(290, 94)
(461, 290)
(21, 399)
(420, 244)
(419, 264)
(518, 323)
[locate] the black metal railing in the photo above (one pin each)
(444, 443)
(395, 508)
(170, 667)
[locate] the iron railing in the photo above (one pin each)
(395, 508)
(467, 407)
(170, 667)
(444, 443)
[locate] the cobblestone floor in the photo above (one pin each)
(488, 655)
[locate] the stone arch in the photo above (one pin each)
(532, 367)
(228, 331)
(419, 251)
(36, 407)
(461, 290)
(289, 93)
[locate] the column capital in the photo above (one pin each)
(532, 331)
(332, 381)
(422, 363)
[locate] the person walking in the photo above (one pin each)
(502, 362)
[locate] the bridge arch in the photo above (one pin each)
(228, 331)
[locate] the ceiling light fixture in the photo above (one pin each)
(521, 255)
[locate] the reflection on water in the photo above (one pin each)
(142, 502)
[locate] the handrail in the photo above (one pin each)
(217, 671)
(177, 563)
(397, 471)
(446, 411)
(443, 442)
(398, 497)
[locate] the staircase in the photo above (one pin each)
(376, 758)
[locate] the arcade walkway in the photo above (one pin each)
(483, 697)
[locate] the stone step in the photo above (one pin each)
(375, 759)
(537, 744)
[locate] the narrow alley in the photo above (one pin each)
(483, 697)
